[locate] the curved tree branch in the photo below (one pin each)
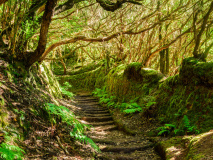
(66, 6)
(111, 6)
(67, 55)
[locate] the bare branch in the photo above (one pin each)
(110, 6)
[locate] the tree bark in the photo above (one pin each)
(47, 17)
(167, 61)
(110, 6)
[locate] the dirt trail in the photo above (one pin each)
(114, 144)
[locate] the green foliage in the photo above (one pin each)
(64, 90)
(165, 130)
(21, 118)
(136, 65)
(28, 27)
(8, 151)
(111, 101)
(150, 103)
(133, 110)
(11, 152)
(185, 127)
(66, 116)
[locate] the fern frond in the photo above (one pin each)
(11, 152)
(69, 118)
(133, 110)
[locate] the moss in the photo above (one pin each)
(3, 116)
(171, 148)
(135, 73)
(196, 72)
(132, 71)
(200, 146)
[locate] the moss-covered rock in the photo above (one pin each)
(196, 72)
(188, 147)
(200, 146)
(172, 148)
(135, 72)
(132, 71)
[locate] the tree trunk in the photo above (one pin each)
(162, 61)
(198, 38)
(47, 17)
(167, 61)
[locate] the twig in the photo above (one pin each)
(59, 142)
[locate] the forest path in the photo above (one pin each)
(113, 143)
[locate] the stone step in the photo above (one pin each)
(125, 149)
(97, 119)
(97, 115)
(104, 128)
(141, 155)
(83, 96)
(118, 157)
(87, 100)
(95, 112)
(93, 109)
(101, 123)
(89, 103)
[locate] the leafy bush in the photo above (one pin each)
(68, 117)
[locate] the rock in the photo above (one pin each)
(197, 147)
(135, 72)
(196, 72)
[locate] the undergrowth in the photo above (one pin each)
(66, 116)
(126, 107)
(184, 128)
(9, 151)
(65, 88)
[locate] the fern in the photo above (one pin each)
(105, 100)
(11, 152)
(109, 104)
(188, 127)
(110, 101)
(124, 106)
(166, 129)
(134, 105)
(150, 103)
(69, 118)
(130, 111)
(64, 90)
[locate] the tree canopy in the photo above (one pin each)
(132, 30)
